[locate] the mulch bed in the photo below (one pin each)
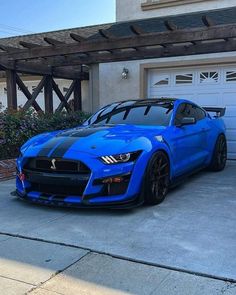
(7, 169)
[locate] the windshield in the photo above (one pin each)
(144, 114)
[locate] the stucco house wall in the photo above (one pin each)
(138, 9)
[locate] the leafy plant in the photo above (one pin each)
(16, 127)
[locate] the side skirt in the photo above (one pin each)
(180, 179)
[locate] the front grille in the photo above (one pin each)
(61, 165)
(60, 190)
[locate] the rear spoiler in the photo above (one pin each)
(220, 112)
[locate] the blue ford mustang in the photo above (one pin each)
(126, 154)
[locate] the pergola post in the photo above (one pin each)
(77, 95)
(48, 95)
(11, 90)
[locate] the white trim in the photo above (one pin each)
(191, 60)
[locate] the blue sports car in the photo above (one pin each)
(126, 154)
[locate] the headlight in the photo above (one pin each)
(120, 158)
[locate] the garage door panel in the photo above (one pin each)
(232, 146)
(229, 98)
(230, 124)
(230, 111)
(231, 134)
(184, 96)
(207, 99)
(232, 156)
(159, 94)
(213, 92)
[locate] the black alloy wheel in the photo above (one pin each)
(157, 179)
(220, 154)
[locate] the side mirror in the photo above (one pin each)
(187, 121)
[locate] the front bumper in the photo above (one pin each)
(81, 190)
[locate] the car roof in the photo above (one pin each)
(147, 101)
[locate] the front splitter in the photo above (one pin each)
(133, 202)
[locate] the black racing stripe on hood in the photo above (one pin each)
(48, 147)
(71, 136)
(82, 132)
(60, 151)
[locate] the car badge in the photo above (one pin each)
(53, 167)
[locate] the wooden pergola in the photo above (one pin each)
(57, 59)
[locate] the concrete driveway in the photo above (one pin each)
(193, 231)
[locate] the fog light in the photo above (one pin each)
(113, 180)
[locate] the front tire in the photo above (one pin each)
(219, 157)
(156, 179)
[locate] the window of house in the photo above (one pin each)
(231, 76)
(162, 80)
(209, 77)
(184, 79)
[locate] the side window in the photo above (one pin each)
(189, 110)
(197, 113)
(182, 112)
(200, 114)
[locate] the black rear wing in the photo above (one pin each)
(220, 112)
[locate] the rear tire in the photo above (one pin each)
(156, 179)
(219, 156)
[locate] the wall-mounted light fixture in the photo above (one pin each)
(125, 73)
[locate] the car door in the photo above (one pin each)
(188, 141)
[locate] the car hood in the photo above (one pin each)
(95, 140)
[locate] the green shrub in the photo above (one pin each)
(16, 127)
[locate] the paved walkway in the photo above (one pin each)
(38, 268)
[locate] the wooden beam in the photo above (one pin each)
(207, 21)
(27, 94)
(105, 34)
(48, 95)
(170, 25)
(8, 49)
(137, 30)
(61, 97)
(196, 42)
(77, 37)
(150, 39)
(36, 92)
(29, 45)
(167, 51)
(52, 41)
(199, 48)
(70, 74)
(11, 90)
(67, 96)
(36, 68)
(77, 96)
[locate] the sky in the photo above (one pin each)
(20, 17)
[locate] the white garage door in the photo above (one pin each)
(215, 86)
